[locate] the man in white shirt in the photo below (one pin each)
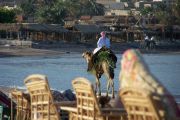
(152, 38)
(103, 41)
(146, 38)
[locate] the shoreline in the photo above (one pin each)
(71, 48)
(6, 90)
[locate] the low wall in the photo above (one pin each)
(15, 43)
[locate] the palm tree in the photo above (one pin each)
(176, 11)
(77, 8)
(97, 7)
(72, 6)
(28, 7)
(53, 13)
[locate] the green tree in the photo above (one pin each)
(77, 8)
(53, 13)
(7, 15)
(165, 14)
(72, 7)
(28, 7)
(97, 8)
(176, 11)
(90, 7)
(146, 10)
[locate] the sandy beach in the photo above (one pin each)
(42, 50)
(10, 52)
(67, 48)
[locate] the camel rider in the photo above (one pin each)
(103, 41)
(103, 51)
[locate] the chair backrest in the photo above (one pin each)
(141, 105)
(87, 105)
(42, 105)
(22, 105)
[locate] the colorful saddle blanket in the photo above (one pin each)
(104, 54)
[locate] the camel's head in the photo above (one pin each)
(87, 55)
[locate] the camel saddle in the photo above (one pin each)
(104, 54)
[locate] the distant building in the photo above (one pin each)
(114, 7)
(10, 3)
(167, 2)
(84, 20)
(105, 2)
(142, 4)
(19, 18)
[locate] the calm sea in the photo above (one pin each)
(62, 69)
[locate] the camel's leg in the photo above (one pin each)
(98, 86)
(95, 87)
(111, 76)
(108, 86)
(112, 85)
(110, 82)
(107, 74)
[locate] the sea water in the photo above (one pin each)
(62, 69)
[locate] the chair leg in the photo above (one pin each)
(72, 116)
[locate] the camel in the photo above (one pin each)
(103, 66)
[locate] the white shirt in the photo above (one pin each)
(146, 38)
(103, 42)
(152, 38)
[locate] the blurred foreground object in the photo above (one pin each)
(143, 96)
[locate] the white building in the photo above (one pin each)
(114, 7)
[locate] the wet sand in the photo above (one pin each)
(67, 48)
(10, 52)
